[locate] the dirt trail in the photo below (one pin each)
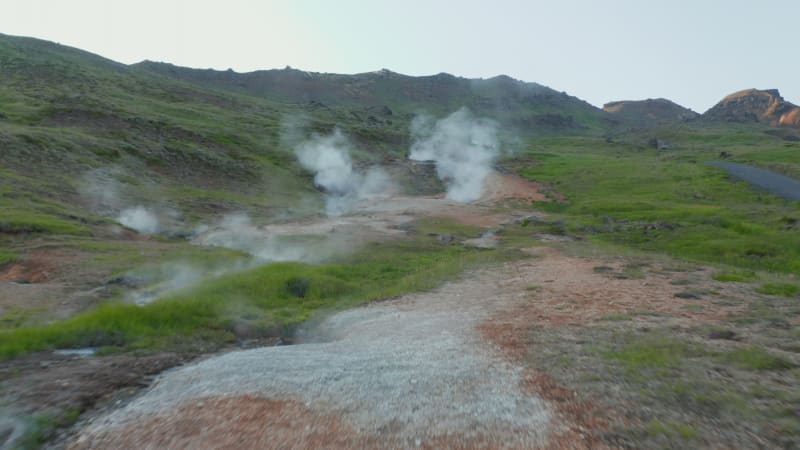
(413, 372)
(429, 370)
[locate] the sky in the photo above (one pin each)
(693, 52)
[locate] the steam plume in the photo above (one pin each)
(140, 219)
(237, 232)
(463, 147)
(329, 158)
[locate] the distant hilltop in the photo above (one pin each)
(650, 111)
(753, 105)
(748, 106)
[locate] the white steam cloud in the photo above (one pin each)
(237, 232)
(329, 158)
(106, 195)
(463, 147)
(140, 219)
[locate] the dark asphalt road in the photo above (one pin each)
(773, 182)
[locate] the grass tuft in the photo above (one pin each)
(656, 351)
(781, 289)
(739, 276)
(755, 358)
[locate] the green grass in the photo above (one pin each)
(15, 222)
(261, 302)
(41, 427)
(781, 289)
(637, 353)
(619, 317)
(755, 358)
(740, 276)
(628, 195)
(7, 257)
(671, 429)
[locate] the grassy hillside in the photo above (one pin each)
(626, 192)
(525, 108)
(84, 138)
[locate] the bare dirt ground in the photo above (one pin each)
(411, 372)
(53, 282)
(426, 370)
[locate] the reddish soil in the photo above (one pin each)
(499, 187)
(38, 266)
(235, 422)
(248, 421)
(568, 291)
(511, 186)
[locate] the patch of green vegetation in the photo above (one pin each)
(7, 257)
(261, 302)
(41, 428)
(14, 317)
(781, 289)
(684, 431)
(668, 201)
(38, 430)
(633, 271)
(755, 358)
(657, 351)
(740, 276)
(620, 317)
(15, 221)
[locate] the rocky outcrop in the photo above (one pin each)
(644, 113)
(753, 105)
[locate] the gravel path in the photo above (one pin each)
(412, 372)
(773, 182)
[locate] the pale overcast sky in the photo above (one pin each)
(691, 51)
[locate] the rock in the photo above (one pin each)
(754, 105)
(445, 238)
(722, 334)
(128, 281)
(658, 144)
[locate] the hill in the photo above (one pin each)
(524, 107)
(648, 113)
(89, 143)
(754, 105)
(211, 141)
